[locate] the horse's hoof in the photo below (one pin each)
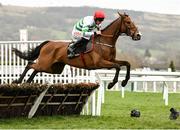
(123, 83)
(110, 85)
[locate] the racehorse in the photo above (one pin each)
(51, 56)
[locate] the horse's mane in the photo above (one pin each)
(110, 24)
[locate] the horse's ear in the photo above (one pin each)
(120, 14)
(125, 14)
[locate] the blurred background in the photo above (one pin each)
(158, 21)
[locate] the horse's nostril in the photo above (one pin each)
(138, 36)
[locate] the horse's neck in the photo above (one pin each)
(113, 29)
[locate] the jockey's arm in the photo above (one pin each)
(86, 32)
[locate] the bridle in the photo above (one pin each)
(107, 35)
(117, 33)
(128, 30)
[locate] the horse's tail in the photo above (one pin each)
(31, 54)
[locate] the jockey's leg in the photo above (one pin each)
(74, 45)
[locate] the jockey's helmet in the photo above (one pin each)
(99, 15)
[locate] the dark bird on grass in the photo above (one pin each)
(135, 113)
(174, 114)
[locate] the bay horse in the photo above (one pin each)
(51, 56)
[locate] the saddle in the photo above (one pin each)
(82, 48)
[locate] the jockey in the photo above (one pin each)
(83, 30)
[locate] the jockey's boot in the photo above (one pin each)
(74, 45)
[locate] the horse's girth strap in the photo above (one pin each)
(82, 59)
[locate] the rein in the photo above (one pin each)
(106, 35)
(105, 44)
(118, 32)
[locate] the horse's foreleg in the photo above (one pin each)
(115, 80)
(109, 65)
(128, 66)
(32, 76)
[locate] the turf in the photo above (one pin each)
(115, 115)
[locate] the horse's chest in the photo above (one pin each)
(110, 54)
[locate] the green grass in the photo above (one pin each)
(115, 114)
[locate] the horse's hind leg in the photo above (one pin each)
(23, 74)
(32, 76)
(56, 68)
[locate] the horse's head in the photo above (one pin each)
(128, 27)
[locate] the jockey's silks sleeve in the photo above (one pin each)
(86, 32)
(86, 25)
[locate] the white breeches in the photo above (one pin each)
(77, 35)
